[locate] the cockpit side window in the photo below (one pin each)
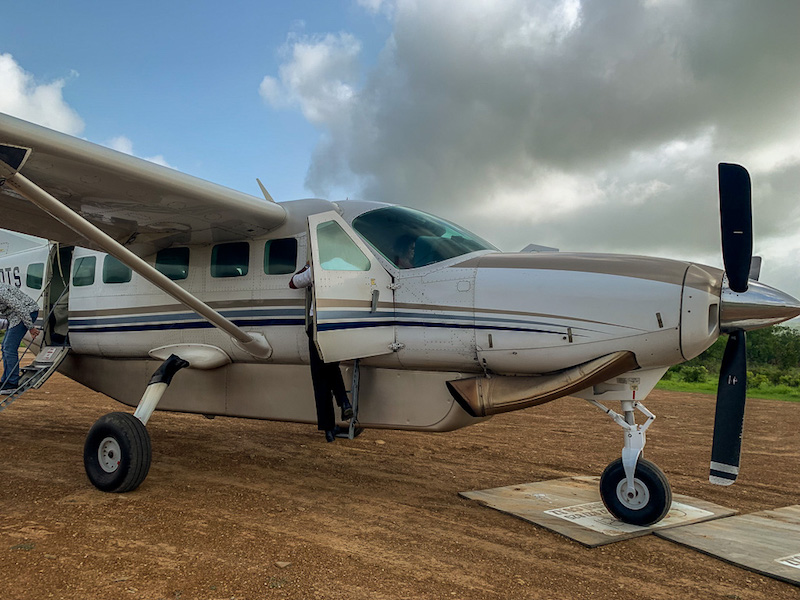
(409, 238)
(337, 252)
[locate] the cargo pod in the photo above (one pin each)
(353, 296)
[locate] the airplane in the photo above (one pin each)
(165, 291)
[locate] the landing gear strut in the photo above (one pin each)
(633, 489)
(117, 452)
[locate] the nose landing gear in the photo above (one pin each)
(633, 489)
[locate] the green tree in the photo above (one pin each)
(773, 355)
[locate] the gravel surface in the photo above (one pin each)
(244, 509)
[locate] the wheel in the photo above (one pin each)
(117, 453)
(652, 494)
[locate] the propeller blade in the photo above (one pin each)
(729, 418)
(755, 268)
(736, 219)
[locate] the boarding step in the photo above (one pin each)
(36, 373)
(353, 430)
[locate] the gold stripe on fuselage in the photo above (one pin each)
(640, 267)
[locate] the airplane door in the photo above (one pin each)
(353, 297)
(55, 303)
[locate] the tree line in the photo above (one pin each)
(773, 358)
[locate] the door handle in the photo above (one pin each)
(375, 294)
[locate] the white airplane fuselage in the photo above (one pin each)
(482, 313)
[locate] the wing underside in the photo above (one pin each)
(140, 204)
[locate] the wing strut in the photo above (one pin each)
(256, 345)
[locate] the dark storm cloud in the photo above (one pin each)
(593, 125)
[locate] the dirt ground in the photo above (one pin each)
(228, 502)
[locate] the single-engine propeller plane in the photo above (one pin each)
(150, 269)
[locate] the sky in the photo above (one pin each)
(582, 125)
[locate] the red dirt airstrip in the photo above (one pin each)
(250, 509)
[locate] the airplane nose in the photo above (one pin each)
(759, 306)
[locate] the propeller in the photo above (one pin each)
(736, 220)
(729, 416)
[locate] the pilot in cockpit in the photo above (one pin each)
(404, 251)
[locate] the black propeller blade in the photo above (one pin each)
(729, 418)
(736, 219)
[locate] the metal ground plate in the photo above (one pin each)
(572, 507)
(767, 542)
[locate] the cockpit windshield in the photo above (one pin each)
(409, 238)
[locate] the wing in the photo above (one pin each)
(140, 204)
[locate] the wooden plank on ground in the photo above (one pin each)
(572, 507)
(767, 542)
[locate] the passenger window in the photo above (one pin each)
(173, 262)
(337, 252)
(114, 271)
(35, 275)
(280, 256)
(230, 260)
(83, 273)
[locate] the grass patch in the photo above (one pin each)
(768, 392)
(700, 387)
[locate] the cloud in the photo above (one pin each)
(121, 144)
(125, 145)
(43, 103)
(376, 6)
(582, 125)
(319, 76)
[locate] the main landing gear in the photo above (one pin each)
(117, 452)
(633, 489)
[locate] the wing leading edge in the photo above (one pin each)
(138, 203)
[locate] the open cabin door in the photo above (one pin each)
(53, 343)
(353, 296)
(55, 300)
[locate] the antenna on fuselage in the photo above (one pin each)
(264, 191)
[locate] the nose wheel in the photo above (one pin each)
(633, 489)
(647, 503)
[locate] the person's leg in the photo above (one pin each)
(326, 420)
(11, 344)
(334, 376)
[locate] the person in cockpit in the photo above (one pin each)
(404, 251)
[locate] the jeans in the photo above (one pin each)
(11, 344)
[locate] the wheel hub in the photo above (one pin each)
(636, 499)
(109, 455)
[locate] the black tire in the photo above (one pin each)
(653, 494)
(117, 453)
